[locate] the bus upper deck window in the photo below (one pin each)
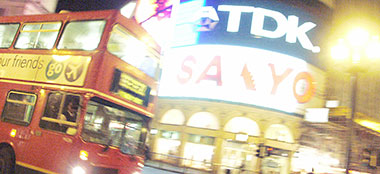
(82, 35)
(38, 35)
(7, 34)
(133, 51)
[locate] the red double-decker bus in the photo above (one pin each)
(77, 92)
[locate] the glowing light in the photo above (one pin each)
(204, 153)
(373, 48)
(369, 124)
(129, 9)
(144, 130)
(13, 133)
(358, 37)
(241, 137)
(42, 92)
(83, 155)
(140, 164)
(153, 131)
(60, 58)
(340, 51)
(78, 170)
(356, 55)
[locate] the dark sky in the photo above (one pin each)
(86, 5)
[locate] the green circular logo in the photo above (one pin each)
(54, 70)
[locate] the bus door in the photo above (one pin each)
(53, 142)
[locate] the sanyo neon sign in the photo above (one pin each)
(288, 26)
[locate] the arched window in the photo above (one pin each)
(279, 132)
(203, 120)
(173, 116)
(242, 125)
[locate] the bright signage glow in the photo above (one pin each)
(317, 115)
(243, 75)
(241, 137)
(285, 26)
(268, 25)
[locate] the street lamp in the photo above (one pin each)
(357, 44)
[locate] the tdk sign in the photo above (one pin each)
(269, 25)
(285, 26)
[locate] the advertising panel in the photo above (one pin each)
(242, 75)
(269, 25)
(66, 70)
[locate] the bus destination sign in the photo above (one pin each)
(129, 88)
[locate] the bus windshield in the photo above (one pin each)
(114, 126)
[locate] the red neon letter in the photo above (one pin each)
(187, 70)
(217, 77)
(278, 79)
(309, 90)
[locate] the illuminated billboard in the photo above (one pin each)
(242, 75)
(262, 53)
(269, 25)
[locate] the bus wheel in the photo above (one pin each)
(6, 161)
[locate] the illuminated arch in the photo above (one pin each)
(242, 125)
(203, 120)
(173, 116)
(279, 132)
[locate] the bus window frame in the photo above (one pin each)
(60, 111)
(15, 35)
(17, 121)
(58, 42)
(20, 31)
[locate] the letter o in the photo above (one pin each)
(310, 87)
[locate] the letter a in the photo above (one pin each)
(217, 77)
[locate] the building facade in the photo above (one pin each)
(27, 7)
(239, 79)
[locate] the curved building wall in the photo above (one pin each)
(230, 145)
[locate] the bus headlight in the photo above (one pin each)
(78, 170)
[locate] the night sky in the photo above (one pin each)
(87, 5)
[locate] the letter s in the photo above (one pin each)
(40, 64)
(186, 70)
